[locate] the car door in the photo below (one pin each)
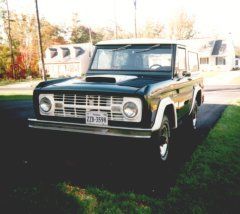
(183, 86)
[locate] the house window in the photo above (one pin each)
(193, 61)
(236, 62)
(204, 60)
(220, 61)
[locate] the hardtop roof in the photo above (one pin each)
(139, 42)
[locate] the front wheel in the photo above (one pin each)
(161, 140)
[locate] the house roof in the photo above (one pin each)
(82, 45)
(67, 53)
(219, 47)
(208, 46)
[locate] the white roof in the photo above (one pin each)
(138, 41)
(82, 45)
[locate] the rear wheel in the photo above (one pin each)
(191, 121)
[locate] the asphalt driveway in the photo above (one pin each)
(113, 163)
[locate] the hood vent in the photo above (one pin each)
(109, 78)
(101, 79)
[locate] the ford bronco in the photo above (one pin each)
(134, 88)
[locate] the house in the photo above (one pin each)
(67, 60)
(237, 63)
(214, 54)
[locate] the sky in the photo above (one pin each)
(211, 16)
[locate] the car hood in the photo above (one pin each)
(103, 83)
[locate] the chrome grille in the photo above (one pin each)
(76, 106)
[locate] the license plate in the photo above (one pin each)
(97, 118)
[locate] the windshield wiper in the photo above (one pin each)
(148, 49)
(122, 48)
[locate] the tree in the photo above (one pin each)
(182, 27)
(5, 61)
(152, 30)
(5, 13)
(52, 34)
(81, 33)
(107, 33)
(25, 43)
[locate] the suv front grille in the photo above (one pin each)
(76, 106)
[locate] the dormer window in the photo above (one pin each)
(78, 51)
(65, 52)
(53, 52)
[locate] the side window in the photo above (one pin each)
(220, 61)
(193, 61)
(181, 60)
(204, 60)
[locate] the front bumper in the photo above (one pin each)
(83, 128)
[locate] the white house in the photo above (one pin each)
(215, 54)
(67, 60)
(237, 63)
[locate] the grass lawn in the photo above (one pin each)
(9, 81)
(15, 97)
(4, 82)
(209, 183)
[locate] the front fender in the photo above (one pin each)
(160, 113)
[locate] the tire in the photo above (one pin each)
(191, 120)
(161, 140)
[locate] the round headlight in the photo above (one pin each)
(45, 104)
(130, 109)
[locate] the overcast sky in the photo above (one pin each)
(211, 16)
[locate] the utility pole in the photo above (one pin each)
(115, 19)
(90, 34)
(44, 76)
(90, 41)
(135, 17)
(10, 40)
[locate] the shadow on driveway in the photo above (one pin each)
(33, 156)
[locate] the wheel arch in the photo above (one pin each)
(169, 111)
(197, 97)
(166, 106)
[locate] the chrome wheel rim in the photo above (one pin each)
(163, 147)
(194, 121)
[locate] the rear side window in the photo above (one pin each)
(181, 60)
(193, 61)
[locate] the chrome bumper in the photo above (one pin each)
(83, 128)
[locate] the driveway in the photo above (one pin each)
(21, 88)
(116, 164)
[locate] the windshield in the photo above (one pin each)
(152, 58)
